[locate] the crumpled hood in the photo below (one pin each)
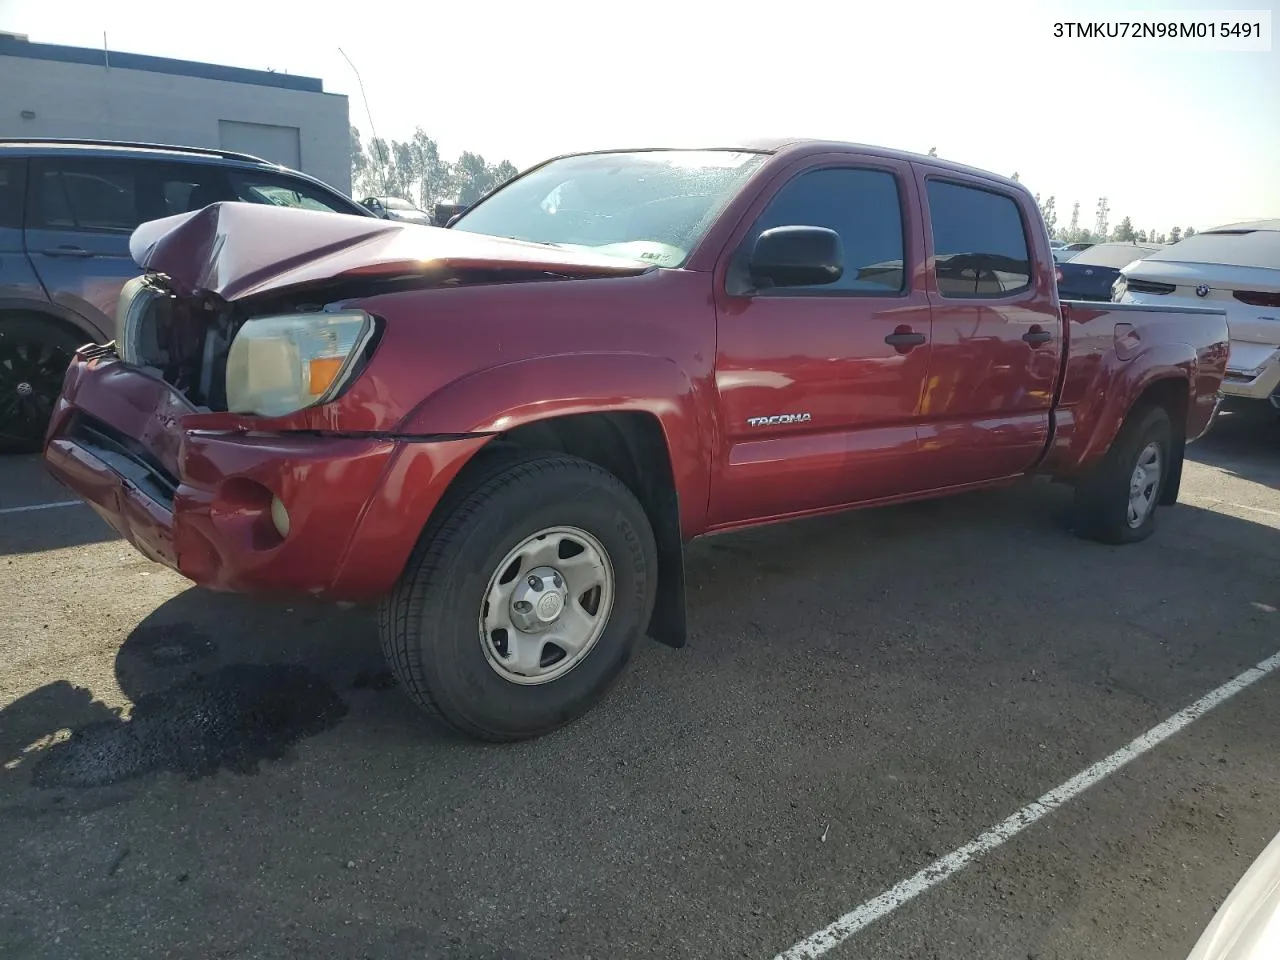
(238, 250)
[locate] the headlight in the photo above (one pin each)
(277, 365)
(135, 329)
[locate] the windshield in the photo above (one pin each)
(650, 205)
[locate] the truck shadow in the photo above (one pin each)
(220, 682)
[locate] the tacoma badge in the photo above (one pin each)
(779, 418)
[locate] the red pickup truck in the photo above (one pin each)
(506, 431)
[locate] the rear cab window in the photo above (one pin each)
(980, 243)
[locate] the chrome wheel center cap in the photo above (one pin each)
(25, 389)
(539, 599)
(548, 607)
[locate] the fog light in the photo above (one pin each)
(280, 517)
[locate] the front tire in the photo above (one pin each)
(524, 599)
(1117, 502)
(34, 356)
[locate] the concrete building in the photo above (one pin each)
(48, 90)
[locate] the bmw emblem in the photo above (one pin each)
(1202, 290)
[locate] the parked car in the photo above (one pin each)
(1247, 925)
(1090, 274)
(393, 208)
(505, 432)
(1235, 268)
(67, 209)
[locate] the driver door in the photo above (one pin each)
(818, 408)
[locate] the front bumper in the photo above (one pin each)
(200, 501)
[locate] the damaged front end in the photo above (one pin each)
(224, 358)
(244, 426)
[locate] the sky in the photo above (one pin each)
(1170, 136)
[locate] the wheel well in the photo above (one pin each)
(1174, 395)
(631, 446)
(82, 335)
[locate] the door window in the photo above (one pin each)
(113, 196)
(864, 207)
(979, 243)
(12, 181)
(100, 201)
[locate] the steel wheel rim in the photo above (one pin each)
(1144, 485)
(535, 632)
(31, 375)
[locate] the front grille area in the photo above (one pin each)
(125, 456)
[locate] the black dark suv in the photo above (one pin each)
(67, 209)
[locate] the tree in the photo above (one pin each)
(1160, 238)
(1175, 234)
(1104, 217)
(1050, 214)
(414, 170)
(472, 177)
(359, 162)
(1189, 233)
(503, 172)
(1142, 236)
(1073, 232)
(1124, 230)
(431, 173)
(1015, 176)
(381, 177)
(933, 151)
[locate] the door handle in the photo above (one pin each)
(66, 250)
(1036, 337)
(904, 338)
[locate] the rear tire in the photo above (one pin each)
(504, 683)
(1117, 502)
(34, 356)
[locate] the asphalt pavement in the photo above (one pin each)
(191, 775)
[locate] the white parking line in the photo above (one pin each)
(41, 506)
(1245, 506)
(1214, 502)
(817, 944)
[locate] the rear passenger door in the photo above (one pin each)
(81, 213)
(996, 333)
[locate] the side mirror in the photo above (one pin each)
(796, 256)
